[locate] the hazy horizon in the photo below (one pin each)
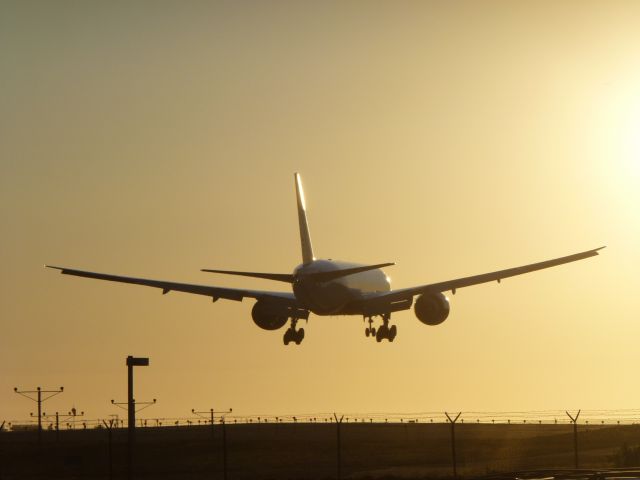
(154, 139)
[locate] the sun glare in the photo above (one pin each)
(632, 139)
(629, 135)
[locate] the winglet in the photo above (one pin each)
(592, 253)
(305, 238)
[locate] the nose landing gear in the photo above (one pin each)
(293, 335)
(383, 331)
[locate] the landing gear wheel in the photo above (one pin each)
(370, 330)
(393, 331)
(293, 335)
(381, 333)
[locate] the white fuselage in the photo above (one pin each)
(331, 297)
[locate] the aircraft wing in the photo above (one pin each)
(452, 285)
(209, 291)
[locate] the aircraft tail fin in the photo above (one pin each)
(305, 238)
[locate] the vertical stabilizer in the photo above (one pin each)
(305, 238)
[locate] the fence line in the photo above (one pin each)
(532, 417)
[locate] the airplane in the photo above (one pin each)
(329, 287)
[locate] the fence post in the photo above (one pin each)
(574, 420)
(224, 447)
(109, 427)
(453, 442)
(339, 444)
(1, 446)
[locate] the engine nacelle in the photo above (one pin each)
(432, 308)
(269, 316)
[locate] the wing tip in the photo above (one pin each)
(53, 267)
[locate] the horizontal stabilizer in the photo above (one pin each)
(333, 274)
(279, 277)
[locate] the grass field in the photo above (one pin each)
(308, 450)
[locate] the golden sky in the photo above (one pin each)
(454, 138)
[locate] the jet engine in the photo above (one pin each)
(269, 316)
(432, 308)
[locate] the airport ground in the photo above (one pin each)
(309, 451)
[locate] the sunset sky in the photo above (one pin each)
(154, 139)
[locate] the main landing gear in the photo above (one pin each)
(383, 331)
(293, 335)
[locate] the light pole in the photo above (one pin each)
(131, 407)
(73, 414)
(211, 413)
(39, 399)
(211, 419)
